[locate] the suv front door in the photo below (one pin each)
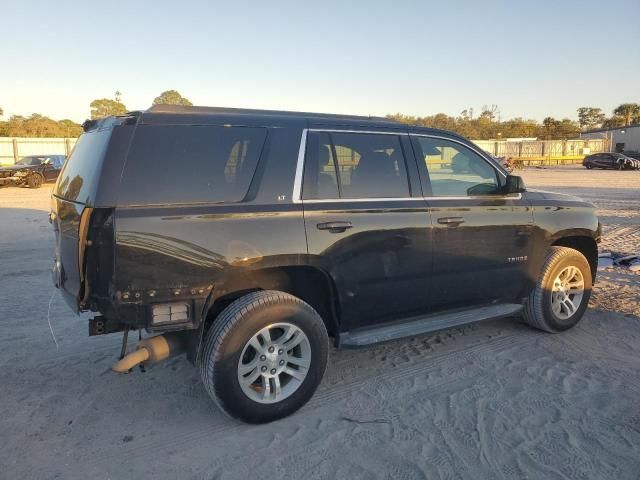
(604, 160)
(481, 238)
(367, 223)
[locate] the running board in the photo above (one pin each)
(425, 324)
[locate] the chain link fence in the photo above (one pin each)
(528, 152)
(544, 152)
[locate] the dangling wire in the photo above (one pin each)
(142, 369)
(49, 319)
(125, 338)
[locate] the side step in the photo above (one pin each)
(425, 324)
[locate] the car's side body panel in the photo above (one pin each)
(181, 253)
(381, 266)
(486, 257)
(559, 216)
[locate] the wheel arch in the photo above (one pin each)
(309, 283)
(585, 244)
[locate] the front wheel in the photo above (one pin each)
(35, 180)
(264, 356)
(562, 291)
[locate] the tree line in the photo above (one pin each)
(483, 126)
(37, 125)
(487, 125)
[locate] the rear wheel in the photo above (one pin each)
(562, 291)
(264, 356)
(35, 180)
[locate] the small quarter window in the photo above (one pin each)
(455, 170)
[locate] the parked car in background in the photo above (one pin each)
(616, 161)
(33, 170)
(631, 154)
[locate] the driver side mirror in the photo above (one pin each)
(515, 184)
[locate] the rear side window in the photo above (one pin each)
(354, 165)
(79, 176)
(190, 164)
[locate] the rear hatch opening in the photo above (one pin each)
(74, 209)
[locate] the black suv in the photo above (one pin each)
(247, 238)
(33, 170)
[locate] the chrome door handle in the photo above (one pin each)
(451, 221)
(334, 227)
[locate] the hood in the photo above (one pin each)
(15, 168)
(558, 197)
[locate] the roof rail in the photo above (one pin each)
(192, 110)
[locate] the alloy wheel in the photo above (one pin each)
(274, 363)
(567, 292)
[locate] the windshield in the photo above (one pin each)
(30, 161)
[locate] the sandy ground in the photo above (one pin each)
(495, 400)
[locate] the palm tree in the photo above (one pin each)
(628, 111)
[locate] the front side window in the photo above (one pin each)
(455, 170)
(354, 165)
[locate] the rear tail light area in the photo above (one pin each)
(169, 313)
(95, 256)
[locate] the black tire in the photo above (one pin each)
(35, 180)
(589, 167)
(537, 309)
(229, 334)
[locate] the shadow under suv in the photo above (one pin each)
(249, 238)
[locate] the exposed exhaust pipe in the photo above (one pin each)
(152, 350)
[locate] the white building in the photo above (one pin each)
(621, 139)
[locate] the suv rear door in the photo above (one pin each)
(367, 224)
(73, 197)
(481, 238)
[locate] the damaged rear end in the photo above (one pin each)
(82, 207)
(86, 270)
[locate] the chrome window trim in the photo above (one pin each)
(297, 182)
(364, 199)
(413, 199)
(480, 197)
(296, 196)
(327, 130)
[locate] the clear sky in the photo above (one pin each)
(532, 59)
